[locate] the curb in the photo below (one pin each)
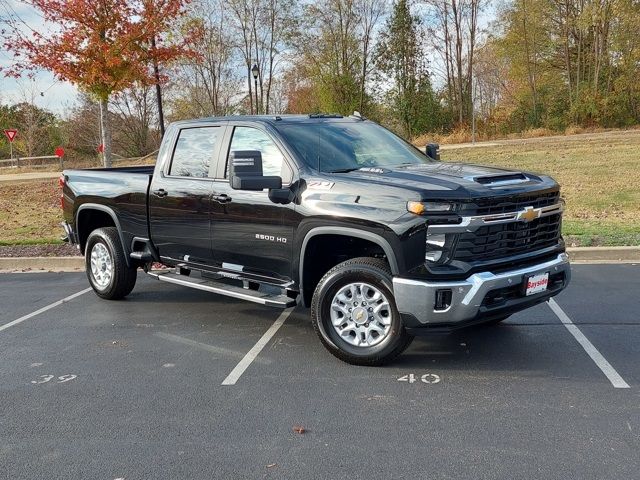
(49, 264)
(604, 254)
(75, 264)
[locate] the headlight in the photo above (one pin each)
(420, 208)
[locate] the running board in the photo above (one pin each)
(268, 299)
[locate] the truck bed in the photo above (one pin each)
(120, 190)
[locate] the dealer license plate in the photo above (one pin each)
(536, 283)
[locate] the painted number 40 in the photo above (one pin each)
(426, 378)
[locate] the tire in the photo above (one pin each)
(383, 337)
(495, 321)
(106, 265)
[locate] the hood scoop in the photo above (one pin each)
(501, 179)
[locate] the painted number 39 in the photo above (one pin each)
(426, 378)
(47, 378)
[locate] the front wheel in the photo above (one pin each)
(353, 311)
(106, 266)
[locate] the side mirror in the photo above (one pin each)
(245, 172)
(432, 150)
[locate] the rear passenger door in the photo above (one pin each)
(180, 194)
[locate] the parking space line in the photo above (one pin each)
(614, 377)
(225, 352)
(251, 355)
(44, 309)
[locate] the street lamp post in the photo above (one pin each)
(255, 71)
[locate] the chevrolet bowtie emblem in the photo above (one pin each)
(529, 214)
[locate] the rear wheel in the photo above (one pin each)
(354, 313)
(106, 265)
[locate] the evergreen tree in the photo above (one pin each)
(402, 61)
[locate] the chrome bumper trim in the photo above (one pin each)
(471, 224)
(416, 298)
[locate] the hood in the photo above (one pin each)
(450, 180)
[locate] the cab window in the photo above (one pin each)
(194, 152)
(273, 163)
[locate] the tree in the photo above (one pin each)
(455, 34)
(207, 85)
(134, 120)
(263, 29)
(334, 52)
(401, 58)
(103, 46)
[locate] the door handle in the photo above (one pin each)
(222, 198)
(160, 192)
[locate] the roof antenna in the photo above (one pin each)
(357, 115)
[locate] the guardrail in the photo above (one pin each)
(18, 162)
(15, 162)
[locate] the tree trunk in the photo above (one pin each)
(106, 131)
(156, 75)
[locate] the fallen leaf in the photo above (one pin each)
(299, 429)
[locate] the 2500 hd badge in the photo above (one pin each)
(271, 238)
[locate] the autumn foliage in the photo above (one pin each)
(103, 46)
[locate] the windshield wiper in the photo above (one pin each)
(344, 170)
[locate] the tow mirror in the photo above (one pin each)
(432, 150)
(245, 172)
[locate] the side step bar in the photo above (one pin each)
(268, 299)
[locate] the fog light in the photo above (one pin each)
(437, 239)
(433, 255)
(443, 299)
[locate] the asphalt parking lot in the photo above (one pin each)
(91, 389)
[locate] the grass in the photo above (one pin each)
(30, 213)
(599, 175)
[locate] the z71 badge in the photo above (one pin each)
(271, 238)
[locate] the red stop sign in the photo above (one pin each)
(59, 152)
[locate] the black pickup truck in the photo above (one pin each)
(338, 214)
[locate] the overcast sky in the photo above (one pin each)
(58, 96)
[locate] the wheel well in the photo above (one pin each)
(325, 251)
(88, 220)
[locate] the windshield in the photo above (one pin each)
(347, 146)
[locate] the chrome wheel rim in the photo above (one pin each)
(361, 314)
(101, 265)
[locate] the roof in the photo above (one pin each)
(276, 119)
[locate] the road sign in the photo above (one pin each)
(59, 152)
(11, 134)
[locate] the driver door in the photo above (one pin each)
(249, 231)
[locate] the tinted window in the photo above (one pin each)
(341, 146)
(194, 151)
(247, 138)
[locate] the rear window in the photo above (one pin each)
(194, 152)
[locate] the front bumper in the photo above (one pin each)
(481, 297)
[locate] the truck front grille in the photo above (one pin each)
(508, 239)
(494, 206)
